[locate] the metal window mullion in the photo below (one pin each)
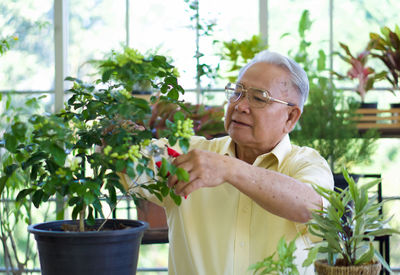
(263, 19)
(61, 61)
(60, 50)
(127, 22)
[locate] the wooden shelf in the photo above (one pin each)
(155, 235)
(387, 122)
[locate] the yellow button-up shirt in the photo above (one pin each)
(221, 231)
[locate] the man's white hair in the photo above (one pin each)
(297, 75)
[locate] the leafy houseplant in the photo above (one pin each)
(386, 47)
(59, 153)
(239, 53)
(283, 265)
(133, 70)
(348, 226)
(17, 246)
(327, 123)
(359, 70)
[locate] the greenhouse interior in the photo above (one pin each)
(126, 120)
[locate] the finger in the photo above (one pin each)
(190, 187)
(172, 181)
(181, 185)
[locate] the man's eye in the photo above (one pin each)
(259, 98)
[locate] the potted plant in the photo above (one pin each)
(347, 227)
(359, 70)
(60, 153)
(386, 47)
(327, 123)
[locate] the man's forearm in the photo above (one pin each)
(275, 192)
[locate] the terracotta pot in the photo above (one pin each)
(151, 213)
(155, 216)
(322, 268)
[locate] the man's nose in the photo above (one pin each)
(243, 102)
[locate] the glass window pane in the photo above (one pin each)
(284, 17)
(167, 27)
(29, 64)
(95, 28)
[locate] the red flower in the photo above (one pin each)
(172, 152)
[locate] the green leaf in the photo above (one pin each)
(182, 174)
(321, 61)
(23, 193)
(164, 168)
(305, 23)
(37, 198)
(89, 198)
(184, 144)
(10, 169)
(10, 142)
(312, 255)
(74, 200)
(367, 256)
(19, 130)
(382, 261)
(58, 154)
(172, 140)
(173, 94)
(3, 181)
(164, 190)
(179, 116)
(177, 199)
(90, 218)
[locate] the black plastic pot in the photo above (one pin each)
(110, 251)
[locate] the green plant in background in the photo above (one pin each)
(283, 264)
(61, 156)
(359, 70)
(203, 28)
(386, 47)
(348, 225)
(134, 70)
(207, 120)
(17, 248)
(239, 53)
(6, 43)
(328, 121)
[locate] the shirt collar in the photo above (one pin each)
(280, 151)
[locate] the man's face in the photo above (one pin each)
(261, 129)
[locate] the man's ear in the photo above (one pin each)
(293, 117)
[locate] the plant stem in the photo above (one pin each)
(82, 219)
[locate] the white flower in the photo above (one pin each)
(73, 162)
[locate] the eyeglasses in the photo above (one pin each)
(257, 98)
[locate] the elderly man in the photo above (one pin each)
(250, 188)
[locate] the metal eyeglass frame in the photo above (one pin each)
(266, 96)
